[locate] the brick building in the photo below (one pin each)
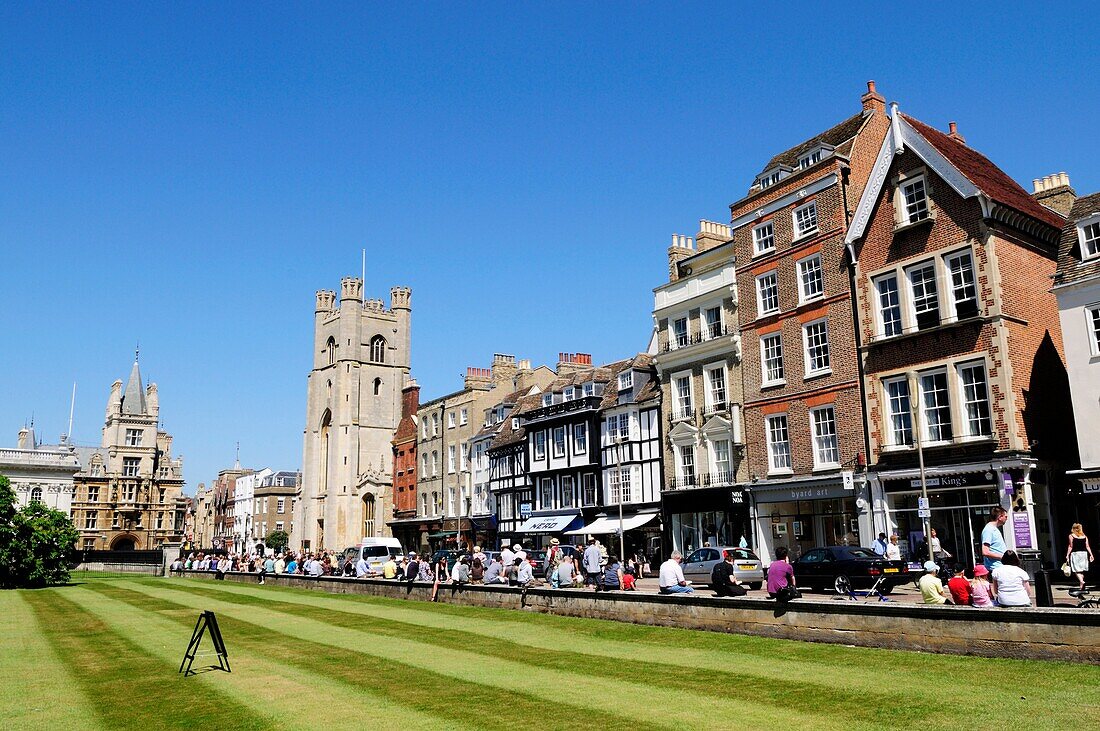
(802, 402)
(273, 504)
(403, 522)
(697, 351)
(961, 345)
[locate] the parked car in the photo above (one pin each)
(840, 567)
(746, 565)
(452, 557)
(376, 551)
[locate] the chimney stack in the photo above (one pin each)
(1054, 192)
(410, 398)
(573, 362)
(873, 101)
(682, 247)
(712, 234)
(478, 378)
(953, 133)
(503, 369)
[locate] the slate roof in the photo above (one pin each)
(508, 435)
(989, 178)
(649, 391)
(1070, 266)
(834, 137)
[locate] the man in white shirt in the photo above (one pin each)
(519, 552)
(671, 579)
(507, 558)
(361, 568)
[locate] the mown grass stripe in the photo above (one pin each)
(872, 707)
(267, 686)
(56, 700)
(128, 687)
(663, 706)
(467, 704)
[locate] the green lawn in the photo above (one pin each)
(105, 654)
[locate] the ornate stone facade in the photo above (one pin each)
(41, 473)
(353, 405)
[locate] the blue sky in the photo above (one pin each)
(187, 176)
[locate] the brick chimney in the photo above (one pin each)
(953, 133)
(410, 398)
(478, 378)
(682, 247)
(712, 234)
(873, 102)
(503, 369)
(1054, 192)
(573, 363)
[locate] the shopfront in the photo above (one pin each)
(806, 514)
(536, 531)
(960, 501)
(638, 527)
(718, 516)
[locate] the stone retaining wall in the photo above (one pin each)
(1044, 633)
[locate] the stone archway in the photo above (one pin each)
(124, 543)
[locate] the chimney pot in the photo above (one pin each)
(871, 86)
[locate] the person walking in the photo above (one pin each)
(993, 543)
(938, 553)
(880, 544)
(670, 579)
(893, 550)
(1011, 584)
(1079, 554)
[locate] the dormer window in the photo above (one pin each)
(547, 399)
(590, 389)
(569, 394)
(1088, 232)
(626, 380)
(811, 159)
(515, 423)
(770, 177)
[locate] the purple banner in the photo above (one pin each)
(1021, 529)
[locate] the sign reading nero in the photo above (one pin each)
(540, 525)
(966, 479)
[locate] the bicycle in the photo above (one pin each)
(1086, 600)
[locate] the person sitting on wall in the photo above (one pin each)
(781, 576)
(671, 577)
(722, 578)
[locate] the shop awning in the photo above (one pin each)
(547, 523)
(603, 526)
(443, 534)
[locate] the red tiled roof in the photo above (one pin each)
(989, 178)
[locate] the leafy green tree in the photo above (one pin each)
(36, 543)
(277, 540)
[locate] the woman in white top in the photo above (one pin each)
(1011, 584)
(893, 550)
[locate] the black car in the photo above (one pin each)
(844, 567)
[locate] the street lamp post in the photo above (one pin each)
(619, 477)
(918, 435)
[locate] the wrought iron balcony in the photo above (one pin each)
(708, 333)
(681, 415)
(717, 479)
(679, 483)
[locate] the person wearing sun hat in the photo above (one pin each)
(981, 591)
(931, 588)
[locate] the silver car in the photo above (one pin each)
(746, 566)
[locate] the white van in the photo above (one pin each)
(376, 551)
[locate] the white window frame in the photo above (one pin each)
(708, 386)
(674, 336)
(280, 505)
(967, 432)
(589, 389)
(451, 450)
(763, 238)
(451, 420)
(1092, 327)
(133, 437)
(567, 497)
(710, 330)
(547, 399)
(810, 159)
(588, 489)
(626, 380)
(926, 436)
(725, 472)
(580, 438)
(679, 410)
(816, 437)
(804, 268)
(953, 300)
(538, 441)
(894, 419)
(761, 286)
(912, 269)
(777, 337)
(1084, 227)
(464, 417)
(559, 446)
(546, 490)
(769, 436)
(131, 466)
(905, 217)
(807, 359)
(681, 463)
(463, 458)
(800, 233)
(880, 320)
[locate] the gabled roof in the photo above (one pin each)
(989, 178)
(650, 390)
(1070, 266)
(834, 137)
(507, 434)
(965, 170)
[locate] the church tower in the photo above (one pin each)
(353, 404)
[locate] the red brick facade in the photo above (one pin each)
(404, 454)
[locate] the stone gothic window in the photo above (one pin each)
(36, 495)
(378, 349)
(368, 515)
(330, 350)
(377, 386)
